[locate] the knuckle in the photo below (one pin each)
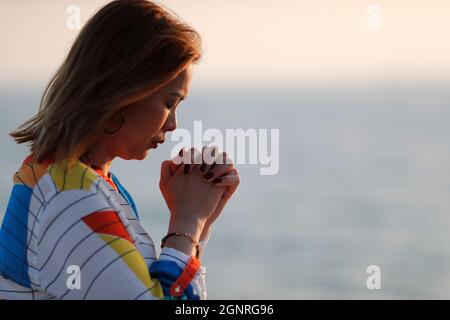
(164, 164)
(227, 159)
(219, 158)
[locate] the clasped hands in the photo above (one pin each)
(196, 186)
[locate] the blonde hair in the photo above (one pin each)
(126, 51)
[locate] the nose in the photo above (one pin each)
(171, 122)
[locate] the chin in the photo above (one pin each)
(136, 156)
(145, 154)
(141, 156)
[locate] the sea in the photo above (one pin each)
(362, 184)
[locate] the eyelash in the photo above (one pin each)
(173, 106)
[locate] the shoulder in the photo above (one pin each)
(60, 194)
(74, 199)
(77, 177)
(73, 193)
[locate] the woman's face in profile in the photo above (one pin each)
(147, 122)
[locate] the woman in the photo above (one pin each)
(71, 230)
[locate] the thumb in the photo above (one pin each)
(176, 162)
(165, 172)
(173, 167)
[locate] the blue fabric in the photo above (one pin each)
(125, 194)
(167, 272)
(13, 236)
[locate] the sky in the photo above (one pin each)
(249, 42)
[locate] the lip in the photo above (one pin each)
(153, 145)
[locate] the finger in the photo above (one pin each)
(232, 172)
(165, 172)
(198, 160)
(181, 168)
(188, 160)
(173, 167)
(209, 156)
(212, 159)
(229, 190)
(229, 180)
(223, 166)
(176, 162)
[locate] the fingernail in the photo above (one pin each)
(203, 167)
(186, 168)
(208, 175)
(217, 180)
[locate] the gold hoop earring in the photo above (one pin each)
(122, 120)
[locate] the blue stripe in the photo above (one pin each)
(13, 236)
(125, 194)
(167, 272)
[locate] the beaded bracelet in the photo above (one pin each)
(186, 235)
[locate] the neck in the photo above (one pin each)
(99, 159)
(103, 167)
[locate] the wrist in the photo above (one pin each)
(205, 232)
(194, 227)
(182, 246)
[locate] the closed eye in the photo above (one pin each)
(170, 106)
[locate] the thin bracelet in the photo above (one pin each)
(186, 235)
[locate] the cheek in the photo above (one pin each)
(146, 126)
